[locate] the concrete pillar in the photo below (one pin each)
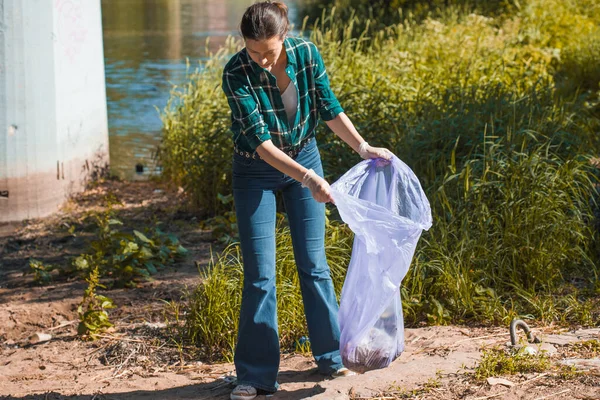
(53, 122)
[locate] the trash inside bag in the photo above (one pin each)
(384, 205)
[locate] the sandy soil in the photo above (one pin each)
(139, 361)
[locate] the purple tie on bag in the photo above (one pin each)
(384, 205)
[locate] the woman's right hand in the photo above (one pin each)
(319, 188)
(367, 152)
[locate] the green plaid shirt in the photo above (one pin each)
(257, 111)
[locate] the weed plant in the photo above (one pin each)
(93, 317)
(497, 362)
(117, 258)
(42, 273)
(122, 257)
(587, 348)
(127, 257)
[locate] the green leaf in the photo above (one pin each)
(225, 199)
(150, 267)
(107, 304)
(81, 263)
(130, 247)
(172, 238)
(146, 253)
(143, 237)
(142, 271)
(82, 328)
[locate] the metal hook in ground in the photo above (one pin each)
(519, 323)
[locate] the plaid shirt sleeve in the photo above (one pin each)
(327, 104)
(245, 115)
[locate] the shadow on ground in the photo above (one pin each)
(217, 390)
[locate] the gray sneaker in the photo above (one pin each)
(243, 392)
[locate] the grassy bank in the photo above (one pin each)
(499, 118)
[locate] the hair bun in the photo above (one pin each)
(281, 6)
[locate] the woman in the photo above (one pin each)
(277, 88)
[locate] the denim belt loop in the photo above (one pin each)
(292, 152)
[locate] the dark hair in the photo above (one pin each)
(264, 20)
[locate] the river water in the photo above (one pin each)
(146, 44)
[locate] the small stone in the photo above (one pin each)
(547, 348)
(582, 364)
(499, 381)
(155, 325)
(560, 340)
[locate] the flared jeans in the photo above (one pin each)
(257, 352)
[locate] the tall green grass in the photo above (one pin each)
(215, 304)
(497, 115)
(417, 87)
(196, 147)
(382, 13)
(512, 230)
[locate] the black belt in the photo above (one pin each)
(292, 151)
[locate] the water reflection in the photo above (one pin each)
(146, 43)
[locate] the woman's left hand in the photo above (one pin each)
(366, 152)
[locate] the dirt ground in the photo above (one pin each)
(139, 361)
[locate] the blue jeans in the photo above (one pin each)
(254, 185)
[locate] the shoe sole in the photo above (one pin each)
(237, 397)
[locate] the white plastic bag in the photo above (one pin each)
(384, 205)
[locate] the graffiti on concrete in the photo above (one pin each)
(70, 27)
